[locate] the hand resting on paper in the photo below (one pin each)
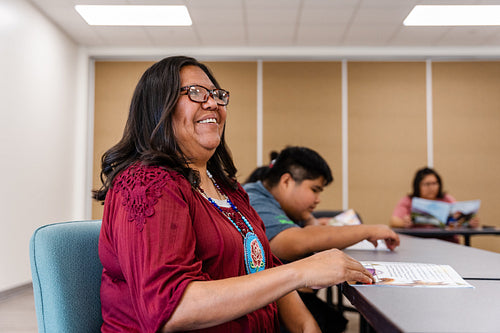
(331, 267)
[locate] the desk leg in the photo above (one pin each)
(329, 296)
(340, 298)
(467, 240)
(364, 326)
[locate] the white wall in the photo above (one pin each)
(43, 77)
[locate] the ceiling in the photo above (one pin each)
(328, 27)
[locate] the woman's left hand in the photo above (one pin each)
(474, 222)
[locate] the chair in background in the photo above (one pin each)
(331, 213)
(66, 273)
(326, 213)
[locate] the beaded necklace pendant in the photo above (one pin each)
(254, 253)
(255, 259)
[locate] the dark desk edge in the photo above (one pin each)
(372, 315)
(467, 233)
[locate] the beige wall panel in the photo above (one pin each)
(114, 85)
(302, 106)
(240, 79)
(387, 134)
(467, 136)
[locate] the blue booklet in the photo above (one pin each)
(441, 214)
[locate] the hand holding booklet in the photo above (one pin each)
(442, 214)
(408, 274)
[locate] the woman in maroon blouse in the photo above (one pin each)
(181, 247)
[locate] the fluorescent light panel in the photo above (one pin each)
(453, 15)
(135, 15)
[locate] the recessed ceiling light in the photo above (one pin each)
(453, 15)
(135, 15)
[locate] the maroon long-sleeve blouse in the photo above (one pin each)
(157, 236)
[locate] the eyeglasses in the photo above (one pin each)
(430, 184)
(201, 94)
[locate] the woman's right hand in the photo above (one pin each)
(331, 267)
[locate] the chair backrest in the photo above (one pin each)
(326, 213)
(66, 273)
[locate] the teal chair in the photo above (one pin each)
(66, 273)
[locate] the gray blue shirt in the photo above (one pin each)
(268, 209)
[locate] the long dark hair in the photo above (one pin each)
(420, 175)
(148, 135)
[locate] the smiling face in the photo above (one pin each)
(197, 126)
(300, 199)
(429, 187)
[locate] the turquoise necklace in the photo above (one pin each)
(255, 259)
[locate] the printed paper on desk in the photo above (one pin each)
(366, 245)
(408, 274)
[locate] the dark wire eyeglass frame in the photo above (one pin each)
(220, 96)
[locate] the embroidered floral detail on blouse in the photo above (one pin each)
(140, 187)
